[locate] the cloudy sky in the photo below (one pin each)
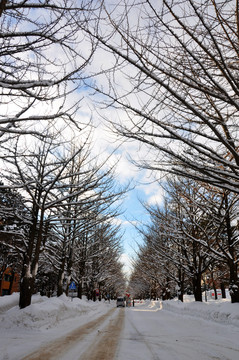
(144, 188)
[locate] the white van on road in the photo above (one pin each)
(120, 302)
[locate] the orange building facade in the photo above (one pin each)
(10, 282)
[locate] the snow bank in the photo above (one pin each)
(46, 319)
(221, 311)
(8, 301)
(44, 313)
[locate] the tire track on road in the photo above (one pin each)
(55, 348)
(105, 347)
(142, 339)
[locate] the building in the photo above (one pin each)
(9, 282)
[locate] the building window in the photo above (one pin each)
(7, 277)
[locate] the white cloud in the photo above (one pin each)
(127, 262)
(157, 196)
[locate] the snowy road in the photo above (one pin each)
(95, 340)
(144, 333)
(154, 334)
(61, 329)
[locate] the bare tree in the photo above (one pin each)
(175, 79)
(179, 85)
(104, 256)
(12, 226)
(42, 55)
(196, 231)
(79, 194)
(92, 199)
(214, 212)
(175, 236)
(41, 175)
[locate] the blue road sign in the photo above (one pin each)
(72, 286)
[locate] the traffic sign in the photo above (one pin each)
(72, 286)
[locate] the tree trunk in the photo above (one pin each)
(61, 276)
(67, 289)
(197, 292)
(26, 291)
(233, 287)
(223, 290)
(59, 289)
(1, 275)
(234, 283)
(215, 290)
(214, 286)
(2, 6)
(181, 284)
(79, 290)
(181, 292)
(60, 284)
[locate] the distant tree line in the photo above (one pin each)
(191, 243)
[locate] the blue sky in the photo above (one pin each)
(113, 150)
(144, 189)
(136, 214)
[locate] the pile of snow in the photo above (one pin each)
(46, 319)
(45, 313)
(221, 311)
(7, 302)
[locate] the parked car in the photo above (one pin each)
(120, 302)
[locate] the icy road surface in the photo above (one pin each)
(155, 334)
(61, 329)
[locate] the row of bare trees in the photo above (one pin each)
(171, 74)
(191, 241)
(63, 220)
(56, 197)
